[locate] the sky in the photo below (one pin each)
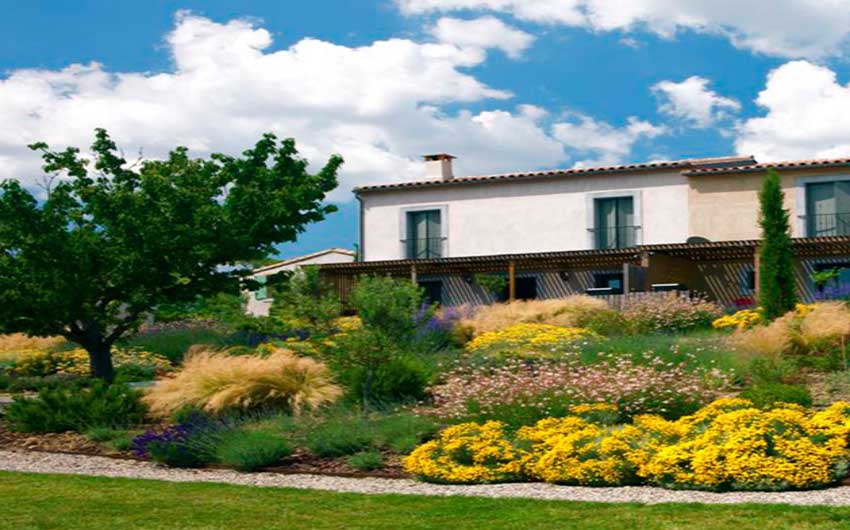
(504, 85)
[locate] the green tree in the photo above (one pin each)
(777, 291)
(111, 241)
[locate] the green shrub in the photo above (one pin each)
(339, 437)
(77, 408)
(401, 379)
(249, 450)
(366, 460)
(605, 322)
(100, 434)
(769, 394)
(347, 434)
(122, 442)
(388, 305)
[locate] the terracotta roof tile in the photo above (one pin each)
(533, 175)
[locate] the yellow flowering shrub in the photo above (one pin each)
(727, 445)
(465, 454)
(529, 339)
(747, 318)
(743, 319)
(747, 448)
(76, 361)
(572, 450)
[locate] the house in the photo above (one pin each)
(684, 224)
(259, 302)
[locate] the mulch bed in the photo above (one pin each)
(301, 462)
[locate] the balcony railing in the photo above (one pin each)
(424, 247)
(614, 237)
(830, 224)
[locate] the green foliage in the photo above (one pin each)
(777, 290)
(77, 408)
(493, 284)
(766, 395)
(249, 450)
(388, 308)
(366, 460)
(114, 240)
(398, 380)
(306, 301)
(388, 305)
(349, 434)
(174, 342)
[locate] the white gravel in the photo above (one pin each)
(39, 462)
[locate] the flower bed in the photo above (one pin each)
(727, 445)
(529, 340)
(545, 388)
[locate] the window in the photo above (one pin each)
(615, 222)
(433, 291)
(424, 235)
(609, 280)
(262, 292)
(828, 209)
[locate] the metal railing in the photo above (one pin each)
(828, 224)
(614, 236)
(424, 247)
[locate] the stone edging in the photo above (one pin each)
(39, 462)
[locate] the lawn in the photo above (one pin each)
(71, 502)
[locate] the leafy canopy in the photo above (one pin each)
(111, 240)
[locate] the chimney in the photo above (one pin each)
(439, 166)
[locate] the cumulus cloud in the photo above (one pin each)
(602, 142)
(807, 115)
(378, 105)
(788, 28)
(484, 32)
(693, 102)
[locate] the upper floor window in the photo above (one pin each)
(615, 223)
(424, 234)
(828, 209)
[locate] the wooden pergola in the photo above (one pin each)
(343, 275)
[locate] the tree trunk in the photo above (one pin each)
(100, 361)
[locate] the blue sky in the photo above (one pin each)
(502, 85)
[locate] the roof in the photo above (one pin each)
(786, 165)
(305, 257)
(717, 162)
(708, 251)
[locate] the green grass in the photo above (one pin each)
(699, 349)
(67, 502)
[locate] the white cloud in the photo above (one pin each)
(807, 116)
(484, 32)
(788, 28)
(378, 105)
(604, 143)
(693, 102)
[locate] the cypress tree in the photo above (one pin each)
(777, 291)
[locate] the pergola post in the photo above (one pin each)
(511, 280)
(413, 273)
(757, 271)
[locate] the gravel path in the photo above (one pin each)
(108, 467)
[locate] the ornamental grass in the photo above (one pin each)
(556, 311)
(727, 445)
(14, 345)
(217, 382)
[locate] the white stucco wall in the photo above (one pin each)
(530, 216)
